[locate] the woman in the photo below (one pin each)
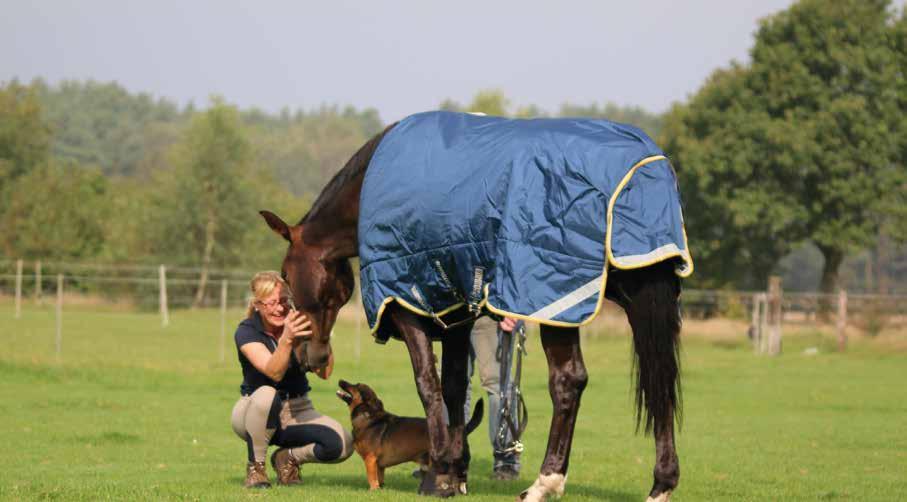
(275, 407)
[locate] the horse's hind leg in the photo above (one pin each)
(437, 481)
(652, 309)
(566, 380)
(454, 385)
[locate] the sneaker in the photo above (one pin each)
(286, 467)
(256, 476)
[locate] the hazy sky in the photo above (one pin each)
(397, 56)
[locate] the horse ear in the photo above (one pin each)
(276, 224)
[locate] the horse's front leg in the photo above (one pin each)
(438, 480)
(455, 384)
(566, 380)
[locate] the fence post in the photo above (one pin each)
(763, 323)
(162, 287)
(842, 320)
(18, 289)
(223, 319)
(38, 292)
(756, 323)
(774, 315)
(59, 343)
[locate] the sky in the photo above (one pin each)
(399, 57)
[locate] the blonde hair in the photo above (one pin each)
(262, 285)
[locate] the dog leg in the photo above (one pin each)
(454, 385)
(381, 476)
(566, 380)
(372, 472)
(438, 480)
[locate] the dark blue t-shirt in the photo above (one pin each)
(252, 330)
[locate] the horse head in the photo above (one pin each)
(320, 283)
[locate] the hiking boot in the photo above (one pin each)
(505, 472)
(286, 467)
(256, 476)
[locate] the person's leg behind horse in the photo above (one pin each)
(567, 378)
(485, 344)
(454, 385)
(255, 418)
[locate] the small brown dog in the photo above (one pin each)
(383, 439)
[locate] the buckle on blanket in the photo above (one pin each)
(473, 313)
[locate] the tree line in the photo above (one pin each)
(804, 144)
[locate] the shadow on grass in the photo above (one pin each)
(480, 483)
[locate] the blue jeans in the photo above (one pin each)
(483, 355)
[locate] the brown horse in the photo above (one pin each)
(317, 269)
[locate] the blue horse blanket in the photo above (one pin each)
(519, 217)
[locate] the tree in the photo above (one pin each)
(798, 145)
(649, 122)
(489, 102)
(203, 200)
(56, 211)
(305, 151)
(740, 221)
(24, 135)
(102, 124)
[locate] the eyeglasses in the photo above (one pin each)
(272, 304)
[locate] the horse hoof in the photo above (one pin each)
(662, 497)
(437, 485)
(525, 496)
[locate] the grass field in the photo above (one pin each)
(135, 411)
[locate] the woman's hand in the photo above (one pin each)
(508, 324)
(296, 328)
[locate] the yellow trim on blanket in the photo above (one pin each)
(609, 258)
(610, 255)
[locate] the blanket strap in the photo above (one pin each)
(417, 294)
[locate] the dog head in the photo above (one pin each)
(360, 398)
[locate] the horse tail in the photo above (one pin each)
(654, 315)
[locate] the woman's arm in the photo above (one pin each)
(274, 365)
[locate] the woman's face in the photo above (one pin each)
(274, 307)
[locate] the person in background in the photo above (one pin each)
(484, 340)
(274, 407)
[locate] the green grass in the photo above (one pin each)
(136, 411)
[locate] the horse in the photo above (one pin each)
(317, 268)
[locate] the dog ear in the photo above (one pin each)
(369, 396)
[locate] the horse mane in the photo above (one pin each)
(354, 168)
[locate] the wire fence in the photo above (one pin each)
(162, 288)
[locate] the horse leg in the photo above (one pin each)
(566, 380)
(454, 385)
(437, 481)
(667, 467)
(652, 309)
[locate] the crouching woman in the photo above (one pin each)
(275, 408)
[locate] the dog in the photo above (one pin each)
(383, 439)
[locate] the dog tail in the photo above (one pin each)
(476, 419)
